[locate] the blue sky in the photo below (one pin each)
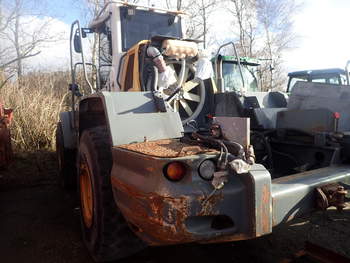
(65, 10)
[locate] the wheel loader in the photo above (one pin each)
(161, 153)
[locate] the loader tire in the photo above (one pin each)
(105, 232)
(66, 159)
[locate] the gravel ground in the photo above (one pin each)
(40, 223)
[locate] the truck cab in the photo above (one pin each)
(335, 76)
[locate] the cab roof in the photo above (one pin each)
(317, 72)
(243, 60)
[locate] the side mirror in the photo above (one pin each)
(77, 43)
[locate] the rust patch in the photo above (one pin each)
(167, 148)
(210, 206)
(150, 169)
(231, 238)
(265, 210)
(235, 129)
(331, 195)
(160, 219)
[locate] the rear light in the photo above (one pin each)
(207, 169)
(175, 171)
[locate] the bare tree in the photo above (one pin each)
(179, 4)
(264, 29)
(21, 34)
(275, 17)
(199, 13)
(244, 17)
(94, 7)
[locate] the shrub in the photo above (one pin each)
(37, 102)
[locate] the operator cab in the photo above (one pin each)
(144, 49)
(239, 94)
(123, 29)
(329, 76)
(231, 73)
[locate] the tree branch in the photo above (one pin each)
(16, 59)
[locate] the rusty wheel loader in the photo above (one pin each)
(162, 153)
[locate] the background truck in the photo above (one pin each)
(329, 76)
(163, 156)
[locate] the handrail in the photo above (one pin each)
(238, 62)
(76, 22)
(92, 66)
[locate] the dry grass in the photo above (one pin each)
(37, 103)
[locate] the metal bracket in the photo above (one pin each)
(331, 195)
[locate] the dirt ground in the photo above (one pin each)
(39, 222)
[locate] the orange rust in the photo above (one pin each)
(86, 194)
(208, 208)
(231, 238)
(265, 212)
(147, 213)
(273, 201)
(160, 219)
(167, 148)
(150, 169)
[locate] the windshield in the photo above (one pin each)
(293, 81)
(137, 25)
(233, 80)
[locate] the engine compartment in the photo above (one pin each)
(307, 131)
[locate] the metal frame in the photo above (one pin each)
(219, 77)
(97, 73)
(76, 22)
(176, 212)
(74, 66)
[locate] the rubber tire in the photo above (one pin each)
(66, 159)
(109, 238)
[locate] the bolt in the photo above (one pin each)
(340, 197)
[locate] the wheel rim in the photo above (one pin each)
(86, 194)
(189, 100)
